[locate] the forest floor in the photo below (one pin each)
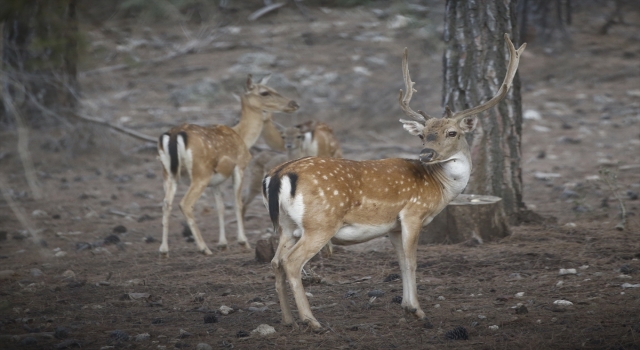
(88, 273)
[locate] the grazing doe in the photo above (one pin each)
(212, 154)
(312, 201)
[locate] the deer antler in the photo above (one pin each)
(514, 59)
(403, 98)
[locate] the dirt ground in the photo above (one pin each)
(90, 275)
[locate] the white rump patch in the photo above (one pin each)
(294, 207)
(184, 154)
(163, 154)
(264, 197)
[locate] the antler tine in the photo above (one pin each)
(514, 60)
(405, 98)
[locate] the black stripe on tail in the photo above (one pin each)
(273, 199)
(173, 151)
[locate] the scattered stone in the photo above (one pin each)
(242, 334)
(514, 277)
(560, 284)
(111, 239)
(61, 332)
(494, 327)
(397, 299)
(211, 318)
(264, 330)
(546, 176)
(225, 310)
(68, 344)
(626, 269)
(35, 272)
(184, 334)
(28, 341)
(157, 320)
(60, 254)
(149, 239)
(119, 335)
(375, 293)
(39, 213)
(427, 324)
(392, 277)
(80, 246)
(441, 298)
(519, 294)
(458, 333)
(203, 346)
(562, 303)
(632, 195)
(563, 272)
(521, 310)
(629, 285)
(350, 294)
(531, 114)
(180, 345)
(69, 274)
(145, 217)
(142, 337)
(399, 21)
(482, 317)
(226, 292)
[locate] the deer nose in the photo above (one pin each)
(427, 155)
(288, 145)
(293, 104)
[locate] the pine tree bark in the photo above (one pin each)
(475, 63)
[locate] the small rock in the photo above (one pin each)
(226, 292)
(35, 272)
(149, 239)
(545, 176)
(28, 341)
(458, 333)
(225, 310)
(61, 332)
(142, 337)
(80, 246)
(157, 320)
(514, 277)
(264, 330)
(184, 334)
(392, 277)
(562, 303)
(397, 299)
(531, 114)
(632, 195)
(629, 285)
(203, 346)
(119, 229)
(399, 21)
(375, 293)
(350, 294)
(563, 272)
(626, 269)
(119, 335)
(69, 274)
(494, 327)
(211, 318)
(242, 334)
(441, 298)
(436, 306)
(60, 254)
(111, 239)
(39, 213)
(559, 284)
(519, 294)
(521, 310)
(482, 317)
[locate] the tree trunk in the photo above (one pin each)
(39, 57)
(475, 63)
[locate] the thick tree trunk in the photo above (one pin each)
(39, 57)
(475, 63)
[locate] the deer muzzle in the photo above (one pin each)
(293, 105)
(427, 155)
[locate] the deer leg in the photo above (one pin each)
(222, 237)
(308, 245)
(237, 188)
(186, 205)
(406, 245)
(284, 246)
(170, 185)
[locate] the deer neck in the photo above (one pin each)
(251, 123)
(454, 174)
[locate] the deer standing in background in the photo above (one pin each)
(212, 154)
(312, 201)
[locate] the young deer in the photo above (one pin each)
(309, 139)
(316, 200)
(212, 154)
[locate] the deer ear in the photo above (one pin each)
(413, 127)
(250, 84)
(265, 79)
(467, 124)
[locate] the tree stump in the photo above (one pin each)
(469, 217)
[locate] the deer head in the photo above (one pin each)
(443, 138)
(260, 96)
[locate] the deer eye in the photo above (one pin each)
(265, 93)
(452, 134)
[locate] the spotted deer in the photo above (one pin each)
(212, 154)
(312, 201)
(309, 139)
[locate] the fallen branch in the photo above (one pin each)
(263, 11)
(119, 128)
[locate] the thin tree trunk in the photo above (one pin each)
(474, 66)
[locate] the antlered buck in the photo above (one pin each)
(212, 154)
(316, 200)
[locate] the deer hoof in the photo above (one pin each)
(164, 255)
(245, 245)
(222, 246)
(206, 251)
